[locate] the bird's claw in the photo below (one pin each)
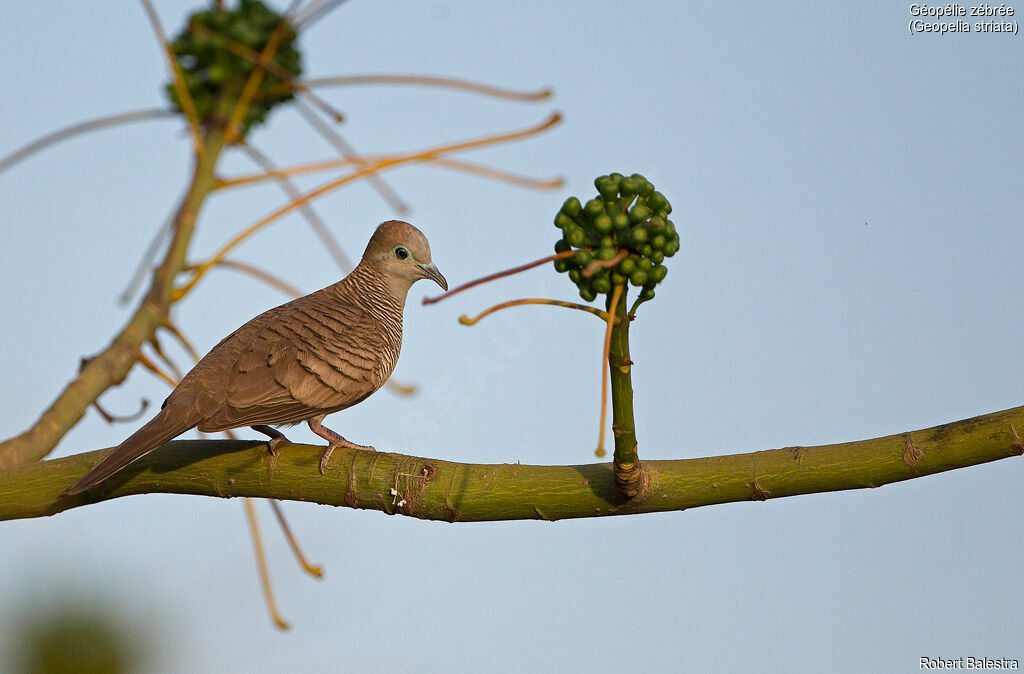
(330, 448)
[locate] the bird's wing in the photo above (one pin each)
(290, 365)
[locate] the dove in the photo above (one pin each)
(298, 362)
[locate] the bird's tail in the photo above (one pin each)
(159, 430)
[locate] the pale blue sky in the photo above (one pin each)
(848, 198)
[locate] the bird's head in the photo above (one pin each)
(402, 254)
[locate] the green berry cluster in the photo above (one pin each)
(627, 220)
(212, 71)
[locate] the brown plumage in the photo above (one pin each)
(297, 362)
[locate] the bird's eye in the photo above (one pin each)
(401, 253)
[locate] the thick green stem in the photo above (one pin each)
(440, 490)
(630, 475)
(111, 366)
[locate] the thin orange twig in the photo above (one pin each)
(443, 162)
(255, 79)
(349, 152)
(255, 272)
(466, 320)
(311, 569)
(261, 566)
(598, 264)
(319, 226)
(155, 369)
(182, 339)
(253, 56)
(355, 175)
(184, 97)
(430, 81)
(500, 274)
(605, 374)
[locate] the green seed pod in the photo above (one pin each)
(657, 257)
(603, 223)
(620, 220)
(562, 221)
(574, 276)
(658, 273)
(602, 284)
(605, 253)
(588, 294)
(657, 201)
(572, 207)
(638, 277)
(627, 266)
(576, 238)
(646, 250)
(638, 235)
(561, 266)
(629, 186)
(670, 228)
(594, 208)
(645, 264)
(658, 242)
(583, 257)
(672, 247)
(639, 213)
(668, 208)
(646, 189)
(607, 242)
(609, 189)
(561, 246)
(616, 178)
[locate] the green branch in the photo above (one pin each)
(111, 366)
(457, 492)
(630, 475)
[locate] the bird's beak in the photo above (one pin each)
(431, 272)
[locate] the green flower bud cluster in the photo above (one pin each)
(212, 71)
(627, 221)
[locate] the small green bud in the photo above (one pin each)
(629, 186)
(594, 208)
(658, 242)
(603, 223)
(658, 273)
(618, 279)
(562, 221)
(588, 294)
(639, 213)
(645, 264)
(627, 266)
(602, 284)
(657, 257)
(574, 276)
(561, 266)
(561, 246)
(583, 257)
(638, 235)
(638, 277)
(572, 207)
(605, 253)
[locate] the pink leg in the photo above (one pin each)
(333, 439)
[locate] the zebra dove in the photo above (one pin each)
(298, 362)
